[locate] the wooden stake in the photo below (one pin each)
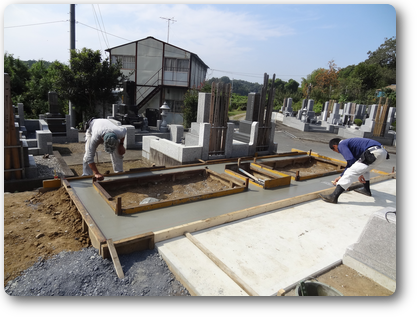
(11, 157)
(115, 259)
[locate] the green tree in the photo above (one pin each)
(190, 107)
(238, 102)
(385, 55)
(291, 86)
(39, 85)
(87, 82)
(19, 75)
(369, 74)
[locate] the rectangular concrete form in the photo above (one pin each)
(303, 168)
(260, 177)
(138, 185)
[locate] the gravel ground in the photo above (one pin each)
(86, 273)
(46, 165)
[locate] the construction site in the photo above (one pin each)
(227, 217)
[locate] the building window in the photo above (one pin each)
(128, 62)
(176, 64)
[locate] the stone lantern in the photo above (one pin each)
(164, 108)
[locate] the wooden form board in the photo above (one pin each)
(137, 243)
(235, 186)
(219, 107)
(271, 180)
(265, 113)
(11, 151)
(298, 176)
(381, 118)
(148, 240)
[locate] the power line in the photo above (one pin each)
(102, 22)
(18, 26)
(104, 32)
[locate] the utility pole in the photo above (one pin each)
(169, 20)
(72, 47)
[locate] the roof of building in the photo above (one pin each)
(151, 37)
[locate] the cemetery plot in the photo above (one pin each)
(143, 193)
(304, 168)
(262, 177)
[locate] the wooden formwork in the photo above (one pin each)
(103, 188)
(279, 166)
(109, 248)
(268, 178)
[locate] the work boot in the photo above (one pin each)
(365, 190)
(332, 198)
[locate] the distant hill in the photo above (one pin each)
(31, 62)
(240, 87)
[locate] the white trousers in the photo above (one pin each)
(116, 158)
(357, 169)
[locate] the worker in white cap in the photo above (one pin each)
(103, 131)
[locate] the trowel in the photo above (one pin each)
(257, 180)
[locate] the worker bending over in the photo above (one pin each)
(362, 155)
(103, 131)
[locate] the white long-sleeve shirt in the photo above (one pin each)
(95, 133)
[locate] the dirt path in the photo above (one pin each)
(37, 226)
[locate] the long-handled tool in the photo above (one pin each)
(257, 180)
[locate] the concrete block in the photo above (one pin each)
(240, 149)
(229, 140)
(252, 107)
(72, 133)
(43, 125)
(190, 153)
(130, 136)
(176, 132)
(253, 138)
(31, 171)
(295, 123)
(21, 112)
(146, 143)
(376, 248)
(191, 139)
(204, 139)
(44, 141)
(273, 147)
(203, 110)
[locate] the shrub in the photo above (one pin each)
(358, 122)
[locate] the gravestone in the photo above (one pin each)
(369, 124)
(203, 108)
(325, 110)
(360, 112)
(252, 112)
(287, 109)
(334, 117)
(56, 121)
(390, 119)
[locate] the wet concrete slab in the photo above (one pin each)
(120, 227)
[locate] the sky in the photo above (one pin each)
(241, 41)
